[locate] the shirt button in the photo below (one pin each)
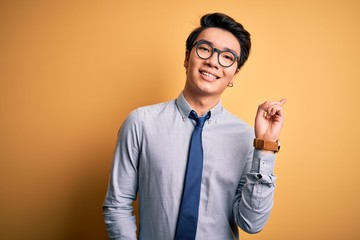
(263, 163)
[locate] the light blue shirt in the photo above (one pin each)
(150, 161)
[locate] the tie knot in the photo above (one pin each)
(200, 121)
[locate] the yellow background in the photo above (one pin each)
(70, 72)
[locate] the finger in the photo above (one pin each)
(266, 109)
(275, 110)
(262, 109)
(282, 101)
(264, 106)
(269, 111)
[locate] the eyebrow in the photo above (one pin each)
(224, 49)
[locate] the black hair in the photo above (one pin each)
(220, 20)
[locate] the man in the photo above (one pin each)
(154, 154)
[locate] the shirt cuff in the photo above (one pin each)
(263, 163)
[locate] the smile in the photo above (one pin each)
(209, 75)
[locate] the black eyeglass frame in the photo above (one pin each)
(213, 49)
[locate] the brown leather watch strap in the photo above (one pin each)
(267, 145)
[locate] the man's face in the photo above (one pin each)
(208, 77)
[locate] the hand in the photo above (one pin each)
(269, 120)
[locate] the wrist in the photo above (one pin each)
(266, 145)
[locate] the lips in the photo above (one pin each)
(209, 75)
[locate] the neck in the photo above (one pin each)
(201, 104)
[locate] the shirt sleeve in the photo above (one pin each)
(255, 194)
(118, 209)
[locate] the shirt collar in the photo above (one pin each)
(185, 108)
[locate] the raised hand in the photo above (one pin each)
(269, 120)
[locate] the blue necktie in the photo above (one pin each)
(189, 208)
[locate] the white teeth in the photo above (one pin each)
(209, 75)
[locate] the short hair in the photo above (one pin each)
(223, 21)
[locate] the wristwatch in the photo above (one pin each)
(267, 145)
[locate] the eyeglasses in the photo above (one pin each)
(225, 58)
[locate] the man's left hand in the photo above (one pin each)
(269, 120)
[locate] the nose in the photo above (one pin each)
(213, 60)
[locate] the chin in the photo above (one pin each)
(206, 91)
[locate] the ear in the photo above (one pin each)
(186, 60)
(236, 72)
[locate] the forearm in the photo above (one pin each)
(120, 222)
(118, 206)
(122, 189)
(254, 199)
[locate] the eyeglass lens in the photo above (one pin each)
(205, 51)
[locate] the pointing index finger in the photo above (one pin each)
(282, 101)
